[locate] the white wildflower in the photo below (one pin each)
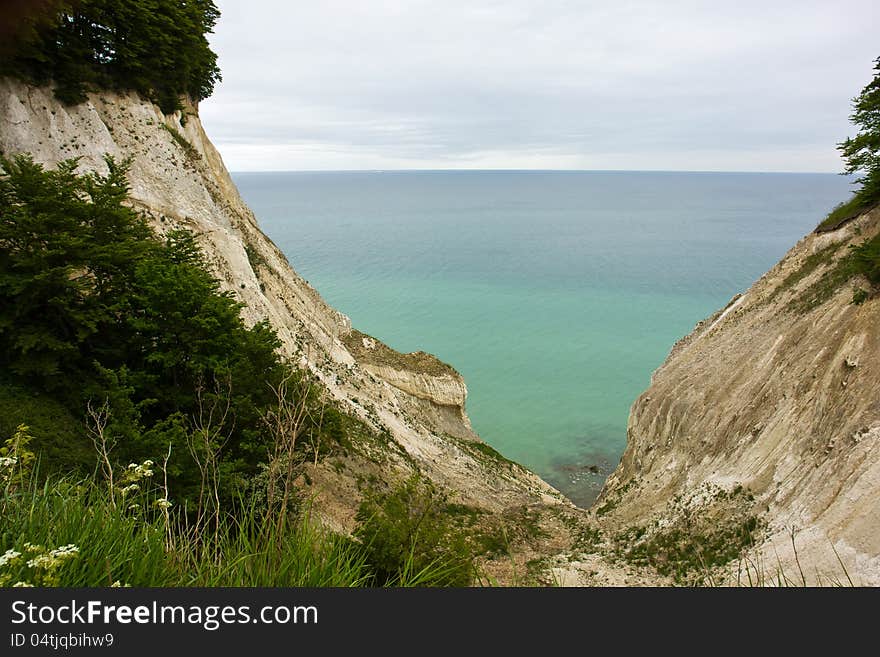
(10, 556)
(22, 585)
(8, 461)
(163, 503)
(141, 471)
(130, 489)
(45, 561)
(65, 551)
(30, 547)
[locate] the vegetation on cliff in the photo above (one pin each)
(77, 532)
(862, 152)
(155, 47)
(861, 155)
(142, 411)
(97, 310)
(153, 437)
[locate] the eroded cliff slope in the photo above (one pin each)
(178, 178)
(773, 401)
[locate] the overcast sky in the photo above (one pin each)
(538, 84)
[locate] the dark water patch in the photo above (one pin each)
(581, 479)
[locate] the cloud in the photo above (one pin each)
(538, 84)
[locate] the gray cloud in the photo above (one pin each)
(538, 83)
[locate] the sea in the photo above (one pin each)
(556, 294)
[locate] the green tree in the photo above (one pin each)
(156, 47)
(68, 245)
(862, 152)
(94, 308)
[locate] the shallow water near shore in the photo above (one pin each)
(555, 294)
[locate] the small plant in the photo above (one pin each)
(189, 150)
(41, 565)
(16, 459)
(255, 258)
(132, 480)
(860, 295)
(407, 534)
(613, 499)
(865, 259)
(862, 260)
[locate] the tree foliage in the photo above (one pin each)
(95, 307)
(156, 47)
(862, 152)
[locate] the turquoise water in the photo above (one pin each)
(555, 294)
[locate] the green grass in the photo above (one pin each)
(824, 288)
(133, 547)
(700, 539)
(835, 271)
(114, 546)
(688, 553)
(484, 453)
(862, 260)
(255, 258)
(811, 263)
(842, 213)
(381, 354)
(191, 153)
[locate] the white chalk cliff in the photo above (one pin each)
(778, 393)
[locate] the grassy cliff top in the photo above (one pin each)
(370, 351)
(844, 213)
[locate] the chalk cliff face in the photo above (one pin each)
(778, 393)
(178, 178)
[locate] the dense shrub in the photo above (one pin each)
(155, 47)
(407, 531)
(96, 311)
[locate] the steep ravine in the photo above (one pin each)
(769, 410)
(178, 178)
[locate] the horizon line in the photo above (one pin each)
(466, 170)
